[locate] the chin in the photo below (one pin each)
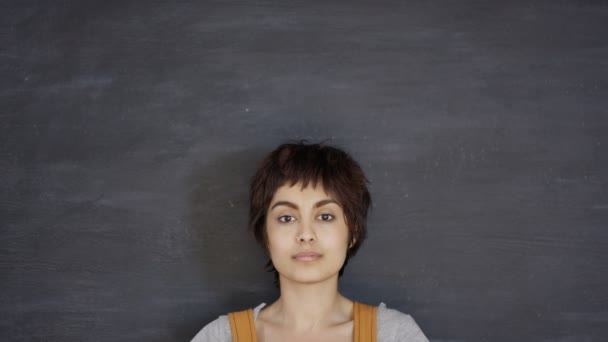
(309, 277)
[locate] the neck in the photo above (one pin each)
(310, 307)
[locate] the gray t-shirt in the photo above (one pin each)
(392, 326)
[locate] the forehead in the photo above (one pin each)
(299, 191)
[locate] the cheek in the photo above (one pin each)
(277, 243)
(337, 241)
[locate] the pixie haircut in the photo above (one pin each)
(311, 164)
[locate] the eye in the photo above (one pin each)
(286, 218)
(326, 217)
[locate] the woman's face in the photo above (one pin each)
(307, 234)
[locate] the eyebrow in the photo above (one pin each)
(294, 206)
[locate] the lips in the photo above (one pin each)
(307, 256)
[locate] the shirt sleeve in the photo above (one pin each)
(216, 331)
(395, 326)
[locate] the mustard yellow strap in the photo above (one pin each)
(365, 318)
(242, 326)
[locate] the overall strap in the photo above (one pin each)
(242, 326)
(364, 322)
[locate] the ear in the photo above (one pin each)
(352, 243)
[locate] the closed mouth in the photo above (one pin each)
(307, 256)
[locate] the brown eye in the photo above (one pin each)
(326, 217)
(286, 218)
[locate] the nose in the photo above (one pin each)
(306, 233)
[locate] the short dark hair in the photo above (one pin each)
(338, 173)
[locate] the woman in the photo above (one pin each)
(308, 210)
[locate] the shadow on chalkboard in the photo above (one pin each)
(232, 275)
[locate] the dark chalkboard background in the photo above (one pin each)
(129, 131)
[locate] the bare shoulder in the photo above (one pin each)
(394, 325)
(218, 330)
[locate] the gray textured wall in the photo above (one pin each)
(129, 131)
